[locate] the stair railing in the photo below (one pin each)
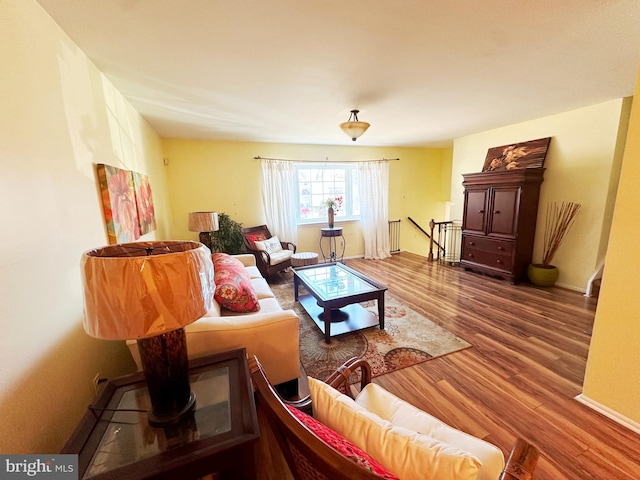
(432, 242)
(447, 235)
(441, 243)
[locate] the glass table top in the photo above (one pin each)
(334, 281)
(129, 437)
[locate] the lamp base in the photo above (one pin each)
(173, 418)
(166, 370)
(205, 238)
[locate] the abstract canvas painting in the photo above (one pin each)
(144, 202)
(529, 154)
(118, 204)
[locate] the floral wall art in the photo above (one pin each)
(529, 154)
(144, 203)
(126, 202)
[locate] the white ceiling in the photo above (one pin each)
(422, 72)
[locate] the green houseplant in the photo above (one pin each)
(228, 237)
(560, 218)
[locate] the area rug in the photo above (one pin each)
(408, 339)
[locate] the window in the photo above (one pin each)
(318, 182)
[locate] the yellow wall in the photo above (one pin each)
(55, 126)
(613, 371)
(225, 177)
(582, 166)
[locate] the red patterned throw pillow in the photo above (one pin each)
(341, 444)
(233, 285)
(255, 237)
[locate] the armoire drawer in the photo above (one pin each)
(489, 259)
(483, 244)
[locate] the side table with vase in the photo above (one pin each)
(331, 235)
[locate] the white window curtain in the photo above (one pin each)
(374, 208)
(278, 197)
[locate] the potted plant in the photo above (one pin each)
(559, 219)
(228, 237)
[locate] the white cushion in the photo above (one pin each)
(377, 400)
(271, 245)
(261, 287)
(215, 310)
(247, 259)
(279, 257)
(253, 271)
(270, 305)
(404, 452)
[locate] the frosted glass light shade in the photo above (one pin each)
(203, 222)
(353, 127)
(142, 289)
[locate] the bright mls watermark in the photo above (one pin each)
(51, 467)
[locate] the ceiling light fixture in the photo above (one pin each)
(353, 127)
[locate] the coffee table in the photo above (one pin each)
(335, 291)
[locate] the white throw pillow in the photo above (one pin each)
(387, 406)
(404, 452)
(271, 245)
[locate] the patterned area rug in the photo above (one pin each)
(408, 339)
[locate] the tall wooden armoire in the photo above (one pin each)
(499, 221)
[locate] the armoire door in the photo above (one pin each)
(474, 214)
(505, 203)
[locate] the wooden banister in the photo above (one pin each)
(432, 242)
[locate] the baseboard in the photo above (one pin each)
(609, 413)
(570, 287)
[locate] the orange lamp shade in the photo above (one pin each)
(203, 222)
(142, 289)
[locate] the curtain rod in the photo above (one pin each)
(326, 160)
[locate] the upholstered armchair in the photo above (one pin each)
(272, 254)
(373, 434)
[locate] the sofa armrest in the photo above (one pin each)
(241, 322)
(247, 259)
(271, 336)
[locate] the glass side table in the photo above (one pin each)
(115, 441)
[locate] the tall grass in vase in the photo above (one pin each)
(559, 219)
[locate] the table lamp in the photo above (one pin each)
(149, 291)
(205, 223)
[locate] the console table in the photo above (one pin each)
(331, 234)
(115, 441)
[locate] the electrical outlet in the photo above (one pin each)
(96, 383)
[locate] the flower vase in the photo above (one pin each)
(330, 213)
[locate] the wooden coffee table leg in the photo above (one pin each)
(381, 310)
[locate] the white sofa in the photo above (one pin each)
(271, 333)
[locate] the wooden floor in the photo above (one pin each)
(520, 377)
